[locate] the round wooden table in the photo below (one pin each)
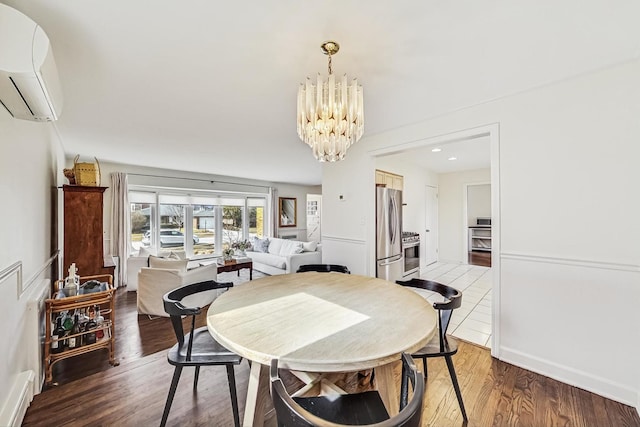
(318, 323)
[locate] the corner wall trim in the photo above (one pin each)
(571, 261)
(342, 239)
(23, 286)
(13, 269)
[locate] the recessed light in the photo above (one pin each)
(453, 158)
(436, 150)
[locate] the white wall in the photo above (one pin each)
(30, 174)
(568, 223)
(478, 202)
(451, 226)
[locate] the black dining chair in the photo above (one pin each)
(323, 268)
(441, 345)
(359, 409)
(197, 348)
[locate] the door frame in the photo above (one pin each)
(493, 132)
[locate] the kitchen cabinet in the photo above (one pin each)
(389, 180)
(480, 238)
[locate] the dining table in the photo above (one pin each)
(315, 324)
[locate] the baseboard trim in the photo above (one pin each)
(20, 396)
(598, 385)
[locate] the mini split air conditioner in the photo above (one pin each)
(29, 84)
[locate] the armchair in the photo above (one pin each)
(153, 283)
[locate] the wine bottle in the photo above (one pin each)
(90, 336)
(57, 344)
(75, 329)
(99, 323)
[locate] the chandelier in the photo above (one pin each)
(330, 116)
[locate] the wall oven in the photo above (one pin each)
(411, 252)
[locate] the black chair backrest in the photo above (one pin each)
(323, 268)
(175, 309)
(290, 414)
(453, 301)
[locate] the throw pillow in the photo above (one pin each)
(178, 255)
(290, 247)
(309, 246)
(261, 245)
(169, 264)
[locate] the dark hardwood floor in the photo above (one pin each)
(481, 258)
(91, 392)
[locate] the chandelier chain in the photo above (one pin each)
(330, 65)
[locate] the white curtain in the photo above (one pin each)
(273, 209)
(120, 226)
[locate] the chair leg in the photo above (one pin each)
(195, 378)
(172, 392)
(231, 377)
(456, 386)
(424, 367)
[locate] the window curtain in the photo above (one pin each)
(273, 208)
(120, 222)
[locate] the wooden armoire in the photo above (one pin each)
(83, 230)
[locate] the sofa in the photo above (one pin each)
(273, 255)
(164, 275)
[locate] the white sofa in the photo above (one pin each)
(284, 256)
(153, 283)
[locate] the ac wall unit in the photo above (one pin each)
(29, 84)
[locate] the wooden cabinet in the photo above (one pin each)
(83, 230)
(106, 340)
(389, 180)
(480, 238)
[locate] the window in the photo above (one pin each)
(201, 225)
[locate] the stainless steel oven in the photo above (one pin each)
(411, 252)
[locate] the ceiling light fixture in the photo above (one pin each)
(452, 158)
(436, 150)
(330, 113)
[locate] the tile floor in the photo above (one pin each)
(472, 321)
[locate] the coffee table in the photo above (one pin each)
(237, 266)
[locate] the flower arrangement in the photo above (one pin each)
(242, 245)
(227, 254)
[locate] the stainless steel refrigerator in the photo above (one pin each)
(389, 258)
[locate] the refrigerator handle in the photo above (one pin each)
(391, 261)
(393, 218)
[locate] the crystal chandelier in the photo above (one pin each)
(330, 116)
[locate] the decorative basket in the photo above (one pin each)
(87, 174)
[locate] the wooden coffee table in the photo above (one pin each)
(237, 266)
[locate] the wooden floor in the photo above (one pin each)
(481, 258)
(91, 392)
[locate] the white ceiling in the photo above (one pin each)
(210, 86)
(453, 156)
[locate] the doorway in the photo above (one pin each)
(431, 225)
(451, 249)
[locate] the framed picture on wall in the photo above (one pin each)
(287, 208)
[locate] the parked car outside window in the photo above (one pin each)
(168, 238)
